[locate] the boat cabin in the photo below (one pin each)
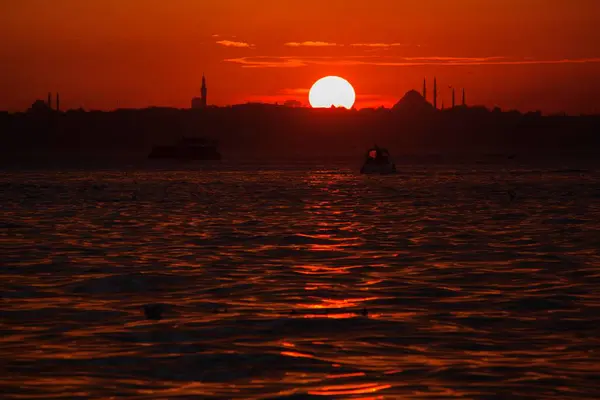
(377, 155)
(378, 161)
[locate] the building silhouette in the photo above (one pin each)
(412, 103)
(292, 103)
(203, 92)
(40, 106)
(201, 102)
(425, 89)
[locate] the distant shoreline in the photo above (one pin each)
(266, 132)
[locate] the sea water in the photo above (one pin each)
(443, 281)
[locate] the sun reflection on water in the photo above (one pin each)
(429, 284)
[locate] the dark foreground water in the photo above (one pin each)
(473, 282)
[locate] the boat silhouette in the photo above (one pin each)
(378, 161)
(188, 148)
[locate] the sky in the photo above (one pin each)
(108, 54)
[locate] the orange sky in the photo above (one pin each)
(105, 54)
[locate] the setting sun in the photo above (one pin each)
(332, 91)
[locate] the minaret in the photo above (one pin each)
(425, 89)
(453, 97)
(57, 102)
(464, 99)
(49, 100)
(203, 92)
(435, 93)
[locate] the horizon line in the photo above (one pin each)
(306, 107)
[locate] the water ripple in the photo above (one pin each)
(441, 282)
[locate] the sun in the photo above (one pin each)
(332, 91)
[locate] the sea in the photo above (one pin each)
(469, 280)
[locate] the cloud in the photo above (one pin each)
(298, 61)
(310, 44)
(230, 43)
(266, 62)
(453, 59)
(295, 91)
(379, 45)
(286, 61)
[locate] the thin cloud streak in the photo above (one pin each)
(311, 44)
(296, 62)
(296, 91)
(267, 62)
(230, 43)
(379, 45)
(454, 59)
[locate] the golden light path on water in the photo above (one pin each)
(301, 283)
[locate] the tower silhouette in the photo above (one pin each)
(425, 89)
(203, 93)
(201, 102)
(435, 93)
(464, 99)
(49, 100)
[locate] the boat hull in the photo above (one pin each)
(378, 169)
(177, 153)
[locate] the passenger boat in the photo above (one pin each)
(188, 148)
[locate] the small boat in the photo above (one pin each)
(378, 161)
(189, 148)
